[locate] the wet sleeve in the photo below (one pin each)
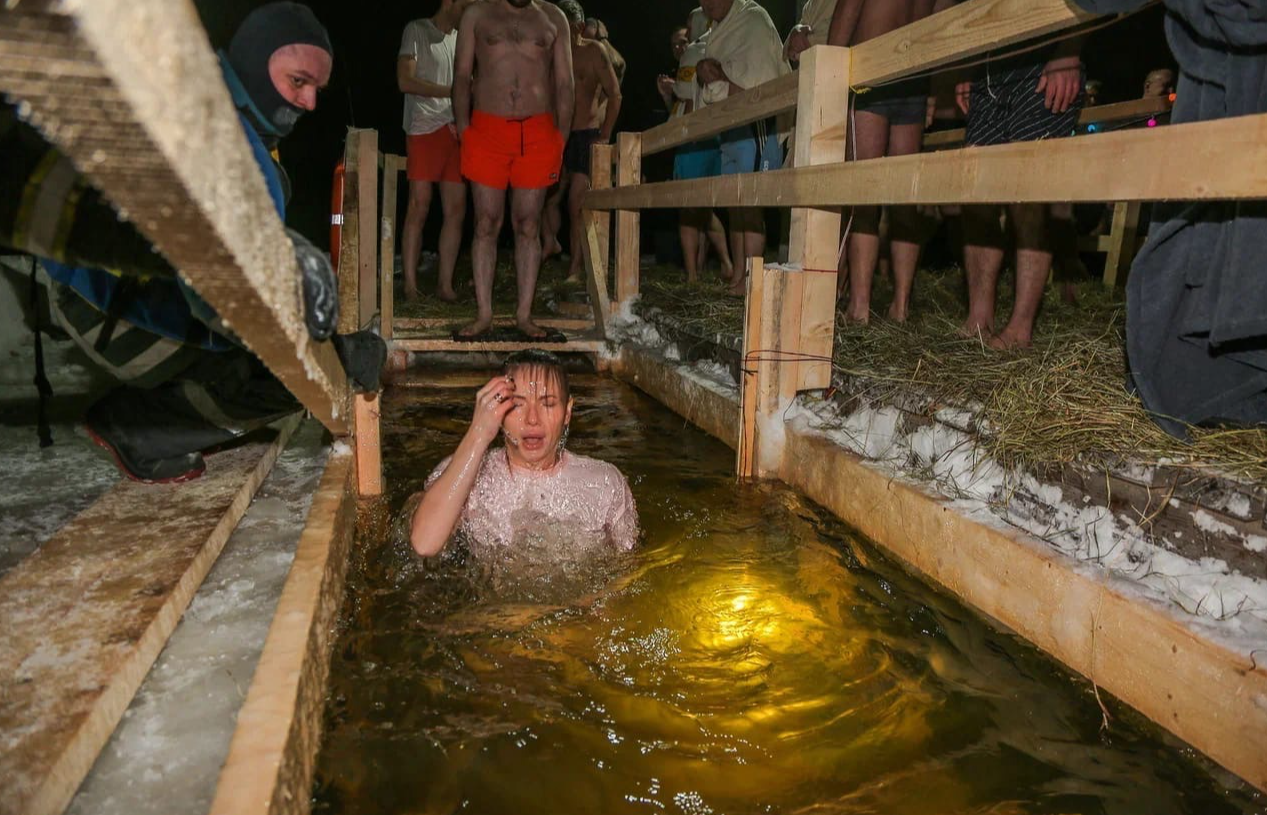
(437, 472)
(622, 523)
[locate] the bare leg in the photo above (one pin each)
(525, 217)
(747, 239)
(453, 200)
(870, 139)
(1063, 240)
(577, 188)
(689, 235)
(1033, 264)
(552, 218)
(717, 235)
(490, 208)
(982, 258)
(411, 240)
(904, 244)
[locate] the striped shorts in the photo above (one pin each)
(1005, 107)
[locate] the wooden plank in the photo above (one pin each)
(628, 223)
(965, 30)
(576, 346)
(814, 239)
(1115, 112)
(160, 138)
(1122, 242)
(597, 234)
(427, 323)
(357, 253)
(704, 407)
(86, 615)
(274, 747)
(1206, 694)
(1223, 159)
(367, 411)
(754, 369)
(392, 166)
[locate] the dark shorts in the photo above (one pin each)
(1005, 107)
(902, 103)
(576, 156)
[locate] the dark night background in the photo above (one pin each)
(366, 36)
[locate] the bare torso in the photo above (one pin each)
(882, 16)
(589, 60)
(513, 59)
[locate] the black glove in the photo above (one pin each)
(363, 355)
(320, 288)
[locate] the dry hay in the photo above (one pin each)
(1063, 401)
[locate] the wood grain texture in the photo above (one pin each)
(1223, 160)
(358, 246)
(597, 239)
(628, 222)
(392, 166)
(707, 409)
(1123, 241)
(86, 615)
(131, 92)
(573, 345)
(270, 763)
(367, 433)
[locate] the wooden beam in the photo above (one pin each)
(1122, 242)
(270, 764)
(1115, 112)
(156, 132)
(628, 223)
(358, 249)
(426, 323)
(1223, 159)
(814, 239)
(597, 239)
(573, 346)
(367, 412)
(392, 166)
(704, 407)
(756, 367)
(86, 615)
(965, 30)
(1205, 693)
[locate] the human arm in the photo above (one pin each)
(408, 82)
(844, 20)
(464, 68)
(1061, 80)
(797, 42)
(611, 87)
(664, 84)
(564, 81)
(622, 522)
(710, 70)
(441, 507)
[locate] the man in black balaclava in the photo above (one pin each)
(188, 384)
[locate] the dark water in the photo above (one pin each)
(752, 656)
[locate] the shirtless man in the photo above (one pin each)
(512, 103)
(597, 88)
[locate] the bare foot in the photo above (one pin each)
(1009, 340)
(853, 314)
(739, 287)
(975, 329)
(575, 277)
(727, 272)
(897, 314)
(691, 279)
(478, 327)
(550, 247)
(447, 295)
(411, 294)
(531, 329)
(1069, 294)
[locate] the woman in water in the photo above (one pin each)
(494, 495)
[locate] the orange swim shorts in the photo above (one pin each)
(525, 154)
(434, 156)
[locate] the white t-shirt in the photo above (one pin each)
(748, 47)
(434, 51)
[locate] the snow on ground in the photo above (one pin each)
(1222, 602)
(166, 754)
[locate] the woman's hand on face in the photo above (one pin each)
(492, 403)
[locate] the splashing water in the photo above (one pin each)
(752, 656)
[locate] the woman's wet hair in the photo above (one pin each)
(539, 364)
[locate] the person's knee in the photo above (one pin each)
(419, 194)
(1029, 222)
(487, 224)
(527, 225)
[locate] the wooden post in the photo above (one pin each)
(358, 278)
(822, 112)
(1123, 238)
(754, 370)
(597, 245)
(628, 244)
(367, 409)
(387, 247)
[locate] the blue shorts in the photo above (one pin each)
(700, 159)
(742, 153)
